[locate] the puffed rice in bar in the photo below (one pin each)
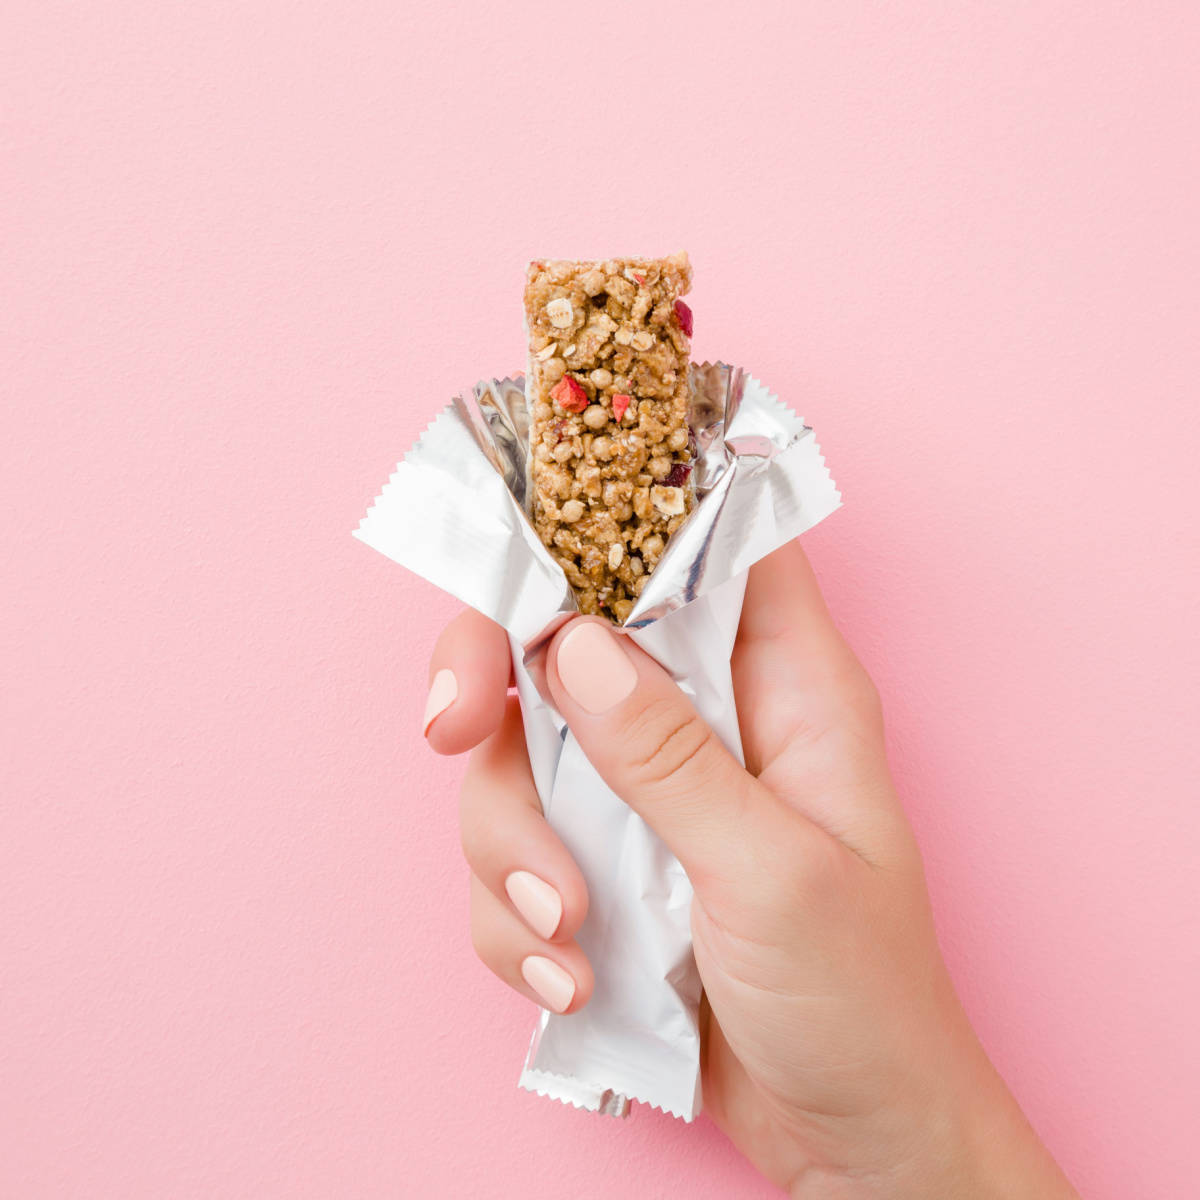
(611, 448)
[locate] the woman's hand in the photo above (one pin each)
(836, 1054)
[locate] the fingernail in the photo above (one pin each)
(443, 692)
(536, 901)
(595, 671)
(550, 981)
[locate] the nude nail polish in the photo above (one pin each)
(550, 981)
(443, 692)
(537, 902)
(594, 669)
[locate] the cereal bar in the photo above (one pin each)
(611, 451)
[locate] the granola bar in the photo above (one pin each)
(611, 451)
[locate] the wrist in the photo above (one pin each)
(957, 1132)
(1004, 1155)
(982, 1146)
(971, 1140)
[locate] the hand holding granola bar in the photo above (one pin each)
(836, 1054)
(608, 818)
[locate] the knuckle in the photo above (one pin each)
(666, 738)
(866, 696)
(474, 836)
(489, 945)
(466, 832)
(844, 739)
(857, 696)
(481, 943)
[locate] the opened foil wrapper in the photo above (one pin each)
(457, 512)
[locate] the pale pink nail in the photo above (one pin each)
(443, 692)
(550, 981)
(594, 669)
(536, 901)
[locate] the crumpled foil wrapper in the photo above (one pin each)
(456, 511)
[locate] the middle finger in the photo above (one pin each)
(508, 843)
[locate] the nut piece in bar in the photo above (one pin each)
(611, 450)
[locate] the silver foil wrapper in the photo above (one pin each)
(456, 511)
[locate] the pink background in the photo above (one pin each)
(251, 247)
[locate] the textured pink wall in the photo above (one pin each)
(251, 247)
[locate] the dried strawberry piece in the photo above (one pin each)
(620, 404)
(683, 315)
(568, 395)
(641, 279)
(678, 476)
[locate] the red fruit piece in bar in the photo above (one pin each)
(678, 476)
(683, 315)
(569, 395)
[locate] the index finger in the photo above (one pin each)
(792, 669)
(469, 677)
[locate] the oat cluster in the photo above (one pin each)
(609, 439)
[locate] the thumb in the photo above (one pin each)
(651, 746)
